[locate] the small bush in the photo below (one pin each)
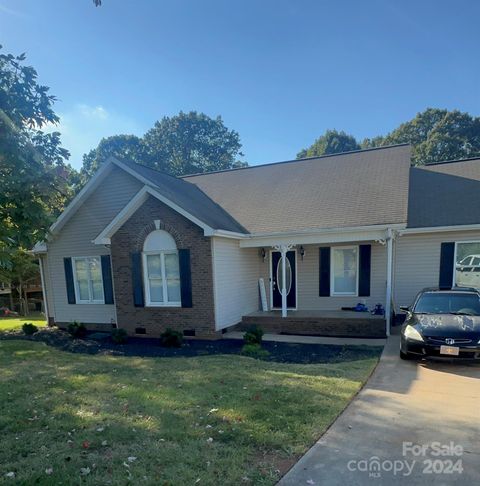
(119, 336)
(253, 335)
(254, 351)
(77, 329)
(171, 339)
(29, 328)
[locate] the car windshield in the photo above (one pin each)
(448, 303)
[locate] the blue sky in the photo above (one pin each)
(279, 72)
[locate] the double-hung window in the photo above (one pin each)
(344, 270)
(87, 272)
(161, 270)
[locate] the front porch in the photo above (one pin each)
(333, 323)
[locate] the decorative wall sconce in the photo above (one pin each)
(263, 254)
(302, 252)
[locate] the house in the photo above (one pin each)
(283, 245)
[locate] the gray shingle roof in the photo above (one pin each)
(361, 188)
(189, 197)
(445, 194)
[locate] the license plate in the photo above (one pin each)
(450, 350)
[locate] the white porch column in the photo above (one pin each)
(388, 301)
(283, 251)
(44, 287)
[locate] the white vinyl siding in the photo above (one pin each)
(75, 239)
(235, 278)
(417, 262)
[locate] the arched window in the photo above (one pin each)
(160, 270)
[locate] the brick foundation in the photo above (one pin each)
(319, 326)
(129, 239)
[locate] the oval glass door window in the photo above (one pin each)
(288, 273)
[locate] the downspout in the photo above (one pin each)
(44, 288)
(388, 299)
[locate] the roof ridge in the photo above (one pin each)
(453, 161)
(291, 161)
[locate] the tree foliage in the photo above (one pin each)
(436, 135)
(182, 144)
(128, 146)
(191, 142)
(22, 271)
(33, 172)
(331, 142)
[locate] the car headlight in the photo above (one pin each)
(412, 334)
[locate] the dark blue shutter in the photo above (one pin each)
(447, 256)
(67, 264)
(137, 280)
(107, 279)
(364, 265)
(324, 261)
(185, 277)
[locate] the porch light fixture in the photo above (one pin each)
(302, 252)
(263, 254)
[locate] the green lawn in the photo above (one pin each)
(212, 420)
(9, 323)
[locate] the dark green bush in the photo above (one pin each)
(253, 335)
(119, 336)
(254, 351)
(171, 339)
(77, 329)
(29, 328)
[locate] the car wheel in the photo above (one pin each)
(406, 356)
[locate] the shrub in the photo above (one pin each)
(29, 328)
(254, 351)
(171, 338)
(253, 335)
(119, 336)
(77, 329)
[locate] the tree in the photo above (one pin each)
(22, 271)
(331, 142)
(191, 142)
(436, 135)
(33, 172)
(128, 146)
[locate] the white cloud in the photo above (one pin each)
(84, 126)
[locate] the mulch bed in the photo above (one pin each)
(148, 347)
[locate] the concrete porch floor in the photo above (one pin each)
(283, 338)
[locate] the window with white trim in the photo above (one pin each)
(161, 270)
(467, 264)
(344, 270)
(88, 281)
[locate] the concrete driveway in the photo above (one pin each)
(404, 405)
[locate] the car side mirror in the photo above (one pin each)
(405, 308)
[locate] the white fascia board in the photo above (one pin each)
(439, 229)
(231, 234)
(39, 247)
(104, 238)
(80, 198)
(133, 173)
(330, 235)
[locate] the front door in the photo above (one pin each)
(291, 282)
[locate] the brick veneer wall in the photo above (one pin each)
(319, 326)
(129, 239)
